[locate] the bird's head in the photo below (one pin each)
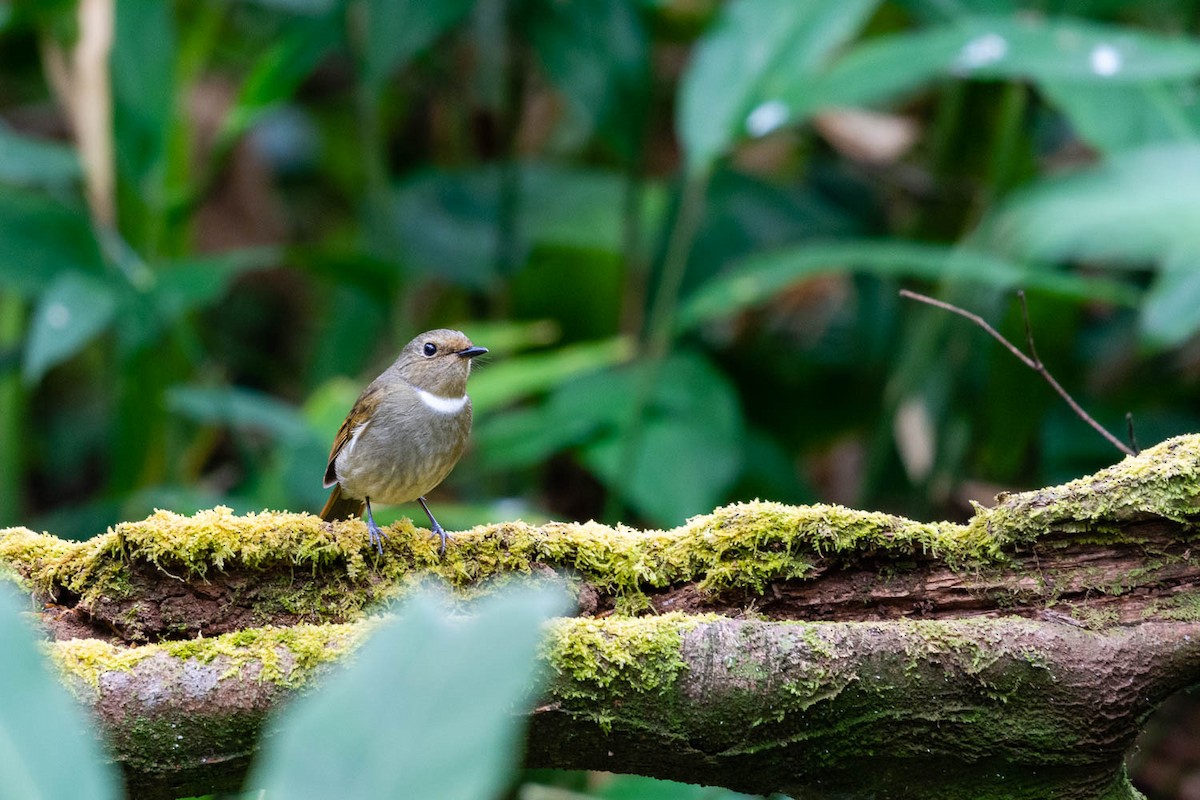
(438, 361)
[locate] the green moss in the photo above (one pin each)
(285, 656)
(1161, 482)
(740, 547)
(1182, 607)
(1094, 618)
(630, 655)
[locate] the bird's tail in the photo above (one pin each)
(339, 507)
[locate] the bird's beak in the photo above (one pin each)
(471, 352)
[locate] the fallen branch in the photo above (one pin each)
(1013, 656)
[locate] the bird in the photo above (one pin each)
(405, 432)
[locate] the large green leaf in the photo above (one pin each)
(757, 52)
(597, 53)
(242, 409)
(396, 30)
(996, 47)
(144, 92)
(447, 222)
(430, 707)
(520, 376)
(692, 423)
(40, 239)
(1126, 116)
(757, 278)
(37, 710)
(636, 787)
(280, 70)
(182, 286)
(688, 447)
(25, 161)
(1171, 313)
(1135, 208)
(70, 313)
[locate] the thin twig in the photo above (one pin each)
(1032, 361)
(1132, 439)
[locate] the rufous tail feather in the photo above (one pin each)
(339, 507)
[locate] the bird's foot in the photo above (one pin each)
(437, 530)
(434, 526)
(377, 535)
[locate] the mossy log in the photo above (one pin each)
(818, 651)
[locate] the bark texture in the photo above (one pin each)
(817, 651)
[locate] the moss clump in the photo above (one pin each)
(1182, 608)
(287, 657)
(1162, 482)
(622, 655)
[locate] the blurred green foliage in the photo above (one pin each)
(670, 221)
(679, 226)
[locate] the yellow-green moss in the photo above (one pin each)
(1163, 481)
(285, 656)
(743, 546)
(1182, 607)
(638, 654)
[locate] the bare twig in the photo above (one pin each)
(1032, 361)
(1132, 439)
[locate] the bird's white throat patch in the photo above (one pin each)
(442, 405)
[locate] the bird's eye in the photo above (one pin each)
(430, 348)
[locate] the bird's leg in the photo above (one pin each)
(433, 525)
(376, 534)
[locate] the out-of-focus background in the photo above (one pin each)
(679, 225)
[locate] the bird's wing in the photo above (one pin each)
(363, 411)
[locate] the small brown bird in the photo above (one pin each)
(405, 433)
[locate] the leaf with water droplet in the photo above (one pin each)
(73, 310)
(756, 51)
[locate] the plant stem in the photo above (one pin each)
(660, 327)
(12, 408)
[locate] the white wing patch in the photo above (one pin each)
(442, 405)
(357, 432)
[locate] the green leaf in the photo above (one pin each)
(25, 161)
(74, 310)
(447, 222)
(597, 53)
(428, 708)
(277, 75)
(759, 277)
(693, 423)
(1171, 313)
(690, 449)
(757, 52)
(241, 409)
(635, 787)
(180, 287)
(40, 239)
(397, 30)
(994, 47)
(187, 284)
(520, 376)
(143, 85)
(1117, 117)
(38, 709)
(1136, 208)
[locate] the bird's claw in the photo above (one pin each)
(437, 530)
(377, 535)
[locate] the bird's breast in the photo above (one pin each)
(405, 450)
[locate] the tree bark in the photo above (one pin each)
(816, 651)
